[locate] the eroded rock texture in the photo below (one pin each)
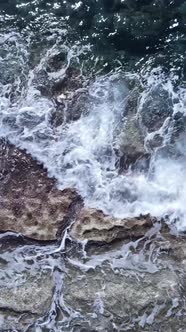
(33, 206)
(92, 225)
(30, 203)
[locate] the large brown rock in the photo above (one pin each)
(30, 203)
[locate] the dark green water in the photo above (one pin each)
(117, 30)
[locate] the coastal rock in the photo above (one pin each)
(70, 98)
(133, 286)
(69, 107)
(178, 137)
(78, 106)
(111, 301)
(130, 140)
(156, 108)
(33, 296)
(30, 203)
(130, 143)
(133, 98)
(94, 226)
(33, 206)
(175, 145)
(154, 141)
(27, 287)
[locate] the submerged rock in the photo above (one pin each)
(30, 203)
(69, 107)
(70, 98)
(156, 108)
(131, 143)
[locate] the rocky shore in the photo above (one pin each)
(92, 96)
(114, 275)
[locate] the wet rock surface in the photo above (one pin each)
(67, 92)
(27, 283)
(135, 286)
(32, 296)
(25, 302)
(128, 274)
(156, 108)
(131, 275)
(131, 143)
